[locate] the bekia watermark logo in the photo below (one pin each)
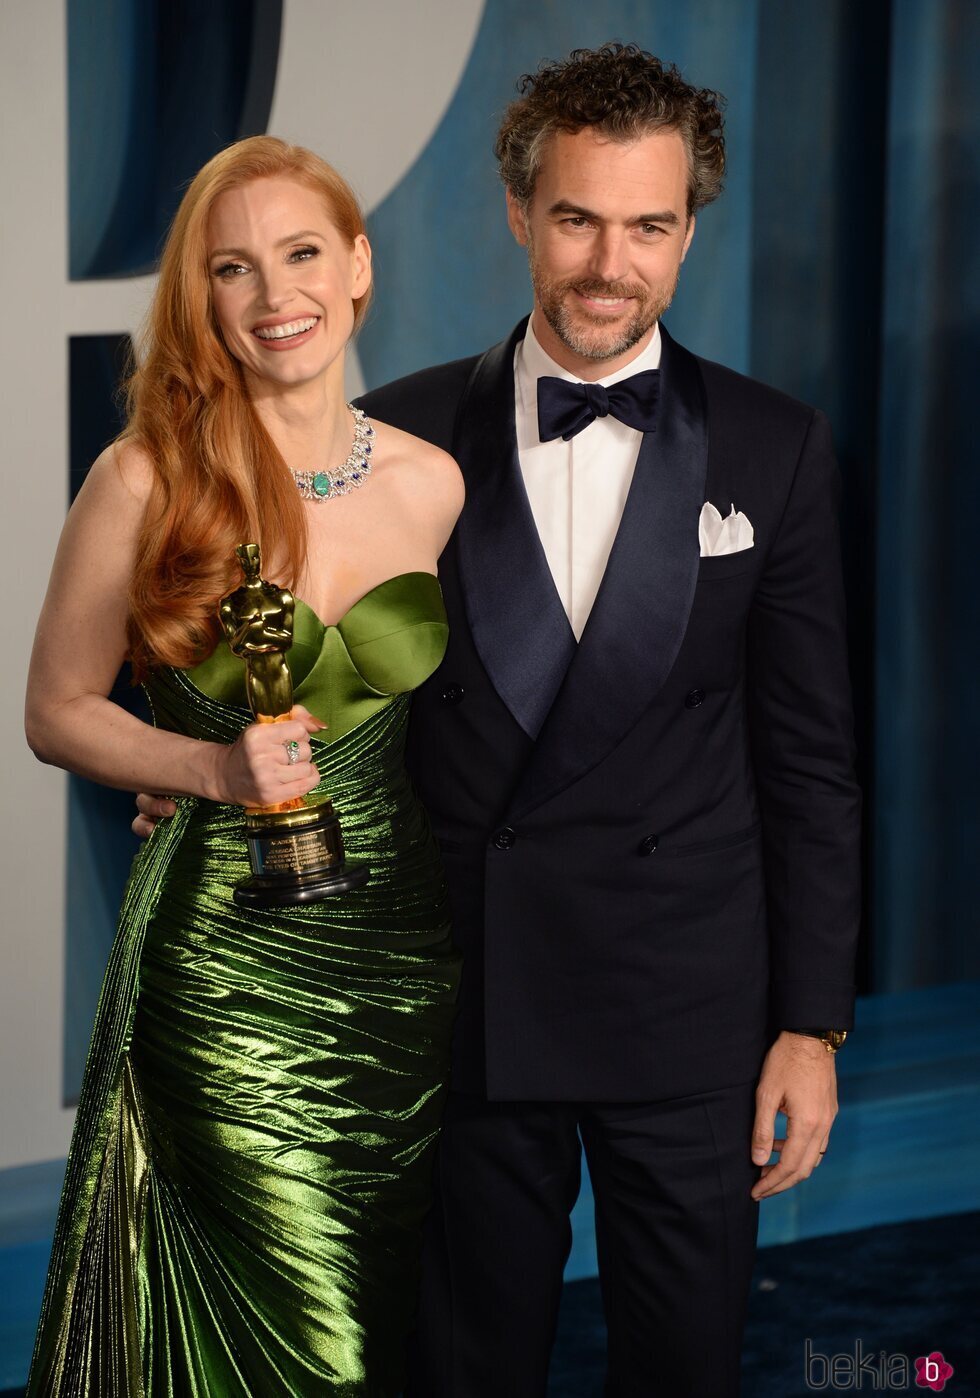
(932, 1371)
(874, 1372)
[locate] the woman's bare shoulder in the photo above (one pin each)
(124, 471)
(135, 467)
(429, 468)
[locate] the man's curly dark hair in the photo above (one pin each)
(623, 92)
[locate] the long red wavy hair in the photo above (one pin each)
(218, 478)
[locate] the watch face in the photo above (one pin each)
(836, 1037)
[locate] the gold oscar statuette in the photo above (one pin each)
(295, 848)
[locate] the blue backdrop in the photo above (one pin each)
(840, 265)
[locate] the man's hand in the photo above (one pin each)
(798, 1078)
(151, 809)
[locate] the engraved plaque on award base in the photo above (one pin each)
(295, 849)
(297, 856)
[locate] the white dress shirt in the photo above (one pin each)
(577, 489)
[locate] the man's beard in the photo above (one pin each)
(592, 341)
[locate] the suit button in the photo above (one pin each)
(453, 693)
(694, 699)
(647, 845)
(506, 838)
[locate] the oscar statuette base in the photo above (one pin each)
(297, 856)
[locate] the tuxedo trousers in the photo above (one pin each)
(675, 1232)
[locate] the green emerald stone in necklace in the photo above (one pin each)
(332, 485)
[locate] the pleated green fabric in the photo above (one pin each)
(252, 1153)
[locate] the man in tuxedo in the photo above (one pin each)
(637, 756)
(638, 759)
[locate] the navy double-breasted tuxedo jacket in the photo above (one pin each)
(651, 836)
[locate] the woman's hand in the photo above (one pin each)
(255, 770)
(251, 763)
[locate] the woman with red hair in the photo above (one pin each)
(251, 1157)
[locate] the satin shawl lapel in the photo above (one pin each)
(641, 612)
(516, 617)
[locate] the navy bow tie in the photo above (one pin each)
(564, 408)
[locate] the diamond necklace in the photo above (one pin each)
(320, 485)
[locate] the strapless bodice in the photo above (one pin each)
(386, 644)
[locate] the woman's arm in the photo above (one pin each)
(81, 643)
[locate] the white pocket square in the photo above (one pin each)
(717, 536)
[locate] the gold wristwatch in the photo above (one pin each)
(832, 1039)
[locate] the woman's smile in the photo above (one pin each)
(287, 334)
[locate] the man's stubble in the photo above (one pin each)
(593, 341)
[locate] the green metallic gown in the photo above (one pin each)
(251, 1158)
